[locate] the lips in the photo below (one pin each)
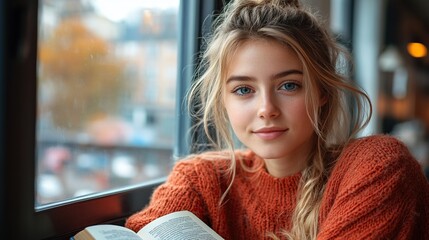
(269, 133)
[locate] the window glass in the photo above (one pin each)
(106, 95)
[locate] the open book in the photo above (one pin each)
(176, 225)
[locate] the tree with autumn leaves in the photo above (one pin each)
(83, 78)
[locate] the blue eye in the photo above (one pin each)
(290, 86)
(242, 90)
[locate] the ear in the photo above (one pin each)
(323, 100)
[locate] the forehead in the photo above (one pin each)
(261, 55)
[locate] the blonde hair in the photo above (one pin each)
(324, 64)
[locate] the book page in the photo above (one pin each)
(106, 231)
(178, 225)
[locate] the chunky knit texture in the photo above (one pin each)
(376, 191)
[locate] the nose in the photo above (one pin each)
(268, 107)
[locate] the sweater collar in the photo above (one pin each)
(256, 163)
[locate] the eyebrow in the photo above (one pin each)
(275, 76)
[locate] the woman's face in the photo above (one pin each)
(264, 100)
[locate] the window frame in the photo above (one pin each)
(18, 104)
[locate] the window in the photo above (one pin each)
(106, 95)
(103, 170)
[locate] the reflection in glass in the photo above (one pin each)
(106, 95)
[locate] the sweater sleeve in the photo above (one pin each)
(377, 191)
(177, 193)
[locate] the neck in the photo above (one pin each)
(280, 168)
(290, 165)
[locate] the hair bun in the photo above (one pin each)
(281, 3)
(289, 3)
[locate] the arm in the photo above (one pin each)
(177, 193)
(377, 191)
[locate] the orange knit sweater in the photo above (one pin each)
(375, 191)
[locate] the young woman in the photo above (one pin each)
(272, 79)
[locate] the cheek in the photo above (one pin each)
(233, 112)
(237, 113)
(299, 113)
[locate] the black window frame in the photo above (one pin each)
(18, 101)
